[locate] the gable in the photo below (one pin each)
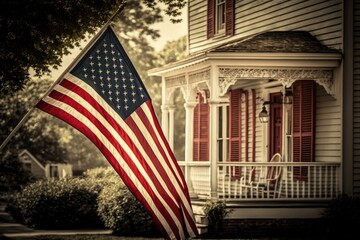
(25, 157)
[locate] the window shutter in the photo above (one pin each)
(230, 18)
(235, 131)
(211, 18)
(303, 125)
(235, 126)
(201, 130)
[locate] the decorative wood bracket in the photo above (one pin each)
(229, 76)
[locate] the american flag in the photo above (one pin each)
(104, 98)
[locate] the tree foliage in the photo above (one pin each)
(36, 34)
(44, 135)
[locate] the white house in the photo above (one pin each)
(48, 170)
(271, 99)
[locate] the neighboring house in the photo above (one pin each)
(265, 79)
(47, 170)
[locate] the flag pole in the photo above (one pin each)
(68, 69)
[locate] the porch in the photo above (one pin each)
(263, 181)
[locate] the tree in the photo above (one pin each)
(36, 135)
(53, 139)
(36, 34)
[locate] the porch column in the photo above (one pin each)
(213, 149)
(189, 121)
(165, 120)
(214, 103)
(171, 109)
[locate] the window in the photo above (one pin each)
(220, 17)
(54, 173)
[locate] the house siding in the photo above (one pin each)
(356, 100)
(327, 127)
(37, 171)
(322, 19)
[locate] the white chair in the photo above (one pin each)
(268, 184)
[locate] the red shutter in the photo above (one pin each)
(229, 17)
(235, 131)
(303, 125)
(211, 18)
(201, 130)
(235, 126)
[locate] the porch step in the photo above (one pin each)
(198, 208)
(202, 228)
(201, 219)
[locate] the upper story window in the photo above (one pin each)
(220, 17)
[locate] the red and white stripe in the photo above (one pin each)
(135, 147)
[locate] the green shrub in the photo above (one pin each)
(122, 213)
(215, 212)
(102, 176)
(59, 204)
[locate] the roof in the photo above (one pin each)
(278, 41)
(274, 42)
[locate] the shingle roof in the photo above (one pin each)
(278, 41)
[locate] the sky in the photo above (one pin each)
(170, 31)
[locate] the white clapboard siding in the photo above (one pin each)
(322, 18)
(327, 127)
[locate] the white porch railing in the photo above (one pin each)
(266, 181)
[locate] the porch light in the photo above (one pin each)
(263, 115)
(288, 98)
